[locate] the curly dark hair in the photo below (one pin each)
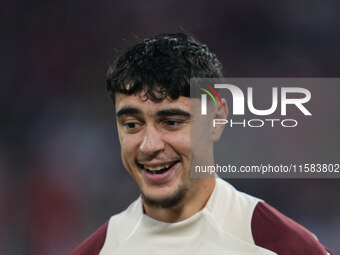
(161, 67)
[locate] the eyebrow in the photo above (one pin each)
(172, 112)
(128, 110)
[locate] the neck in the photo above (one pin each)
(194, 201)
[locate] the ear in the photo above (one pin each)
(221, 112)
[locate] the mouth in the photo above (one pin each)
(158, 169)
(159, 173)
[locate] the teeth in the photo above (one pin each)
(156, 168)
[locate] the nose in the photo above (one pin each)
(152, 141)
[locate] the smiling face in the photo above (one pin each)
(155, 146)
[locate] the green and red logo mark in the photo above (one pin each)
(204, 98)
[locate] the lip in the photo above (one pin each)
(160, 178)
(153, 164)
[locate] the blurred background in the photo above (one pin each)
(61, 175)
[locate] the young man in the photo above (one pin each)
(149, 84)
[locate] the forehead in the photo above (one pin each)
(148, 106)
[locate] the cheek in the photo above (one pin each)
(180, 143)
(126, 145)
(128, 152)
(184, 144)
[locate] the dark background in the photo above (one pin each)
(61, 176)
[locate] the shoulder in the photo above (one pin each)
(274, 231)
(256, 222)
(108, 236)
(93, 244)
(233, 210)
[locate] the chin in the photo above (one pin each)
(166, 200)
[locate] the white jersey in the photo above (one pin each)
(232, 223)
(217, 229)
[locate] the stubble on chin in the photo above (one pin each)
(167, 202)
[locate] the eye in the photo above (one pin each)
(131, 126)
(172, 124)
